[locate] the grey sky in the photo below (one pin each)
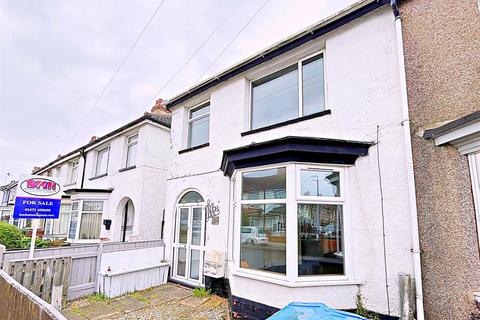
(56, 56)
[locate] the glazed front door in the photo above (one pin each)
(189, 249)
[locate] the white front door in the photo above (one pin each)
(189, 244)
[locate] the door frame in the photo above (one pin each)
(188, 246)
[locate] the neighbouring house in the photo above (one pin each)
(8, 192)
(288, 172)
(442, 60)
(114, 186)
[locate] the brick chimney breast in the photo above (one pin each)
(160, 109)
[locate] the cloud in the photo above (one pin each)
(57, 55)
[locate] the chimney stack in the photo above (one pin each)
(93, 138)
(160, 109)
(35, 169)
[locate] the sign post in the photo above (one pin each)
(37, 197)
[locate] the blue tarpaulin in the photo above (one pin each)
(310, 311)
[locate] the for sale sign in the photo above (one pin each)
(37, 197)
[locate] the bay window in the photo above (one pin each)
(310, 200)
(292, 92)
(85, 224)
(91, 220)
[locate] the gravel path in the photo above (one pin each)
(214, 309)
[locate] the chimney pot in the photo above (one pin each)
(93, 138)
(160, 109)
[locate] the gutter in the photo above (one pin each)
(417, 268)
(351, 13)
(84, 156)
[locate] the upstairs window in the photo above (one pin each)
(102, 161)
(295, 91)
(198, 125)
(132, 142)
(73, 172)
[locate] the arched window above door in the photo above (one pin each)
(191, 197)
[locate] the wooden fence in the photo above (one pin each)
(48, 278)
(84, 265)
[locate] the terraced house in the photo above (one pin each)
(114, 186)
(290, 174)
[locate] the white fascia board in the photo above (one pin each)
(465, 138)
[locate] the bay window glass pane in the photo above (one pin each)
(319, 183)
(90, 225)
(198, 131)
(263, 237)
(264, 184)
(275, 98)
(92, 205)
(73, 221)
(313, 85)
(320, 239)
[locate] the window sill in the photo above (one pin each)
(194, 148)
(284, 123)
(341, 281)
(127, 168)
(99, 176)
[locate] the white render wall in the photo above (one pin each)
(363, 92)
(144, 185)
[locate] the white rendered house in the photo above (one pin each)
(288, 168)
(114, 186)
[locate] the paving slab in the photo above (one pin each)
(176, 292)
(97, 311)
(158, 298)
(127, 304)
(72, 315)
(194, 301)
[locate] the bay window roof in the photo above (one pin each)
(291, 148)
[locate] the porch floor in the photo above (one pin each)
(169, 301)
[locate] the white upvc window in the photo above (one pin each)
(198, 125)
(290, 223)
(101, 165)
(131, 157)
(292, 92)
(86, 220)
(91, 220)
(60, 225)
(73, 172)
(474, 164)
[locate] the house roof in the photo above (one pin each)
(350, 13)
(8, 185)
(159, 119)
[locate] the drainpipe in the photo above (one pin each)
(410, 175)
(84, 156)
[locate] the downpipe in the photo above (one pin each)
(409, 158)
